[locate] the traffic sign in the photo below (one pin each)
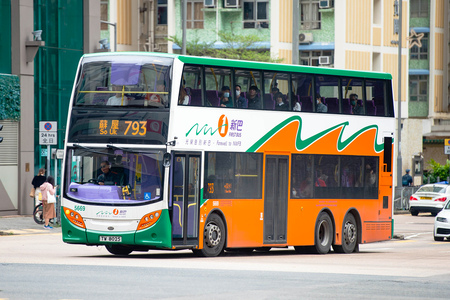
(48, 138)
(48, 134)
(447, 146)
(47, 126)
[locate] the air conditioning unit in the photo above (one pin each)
(209, 3)
(324, 60)
(305, 38)
(326, 3)
(231, 3)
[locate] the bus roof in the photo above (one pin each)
(255, 65)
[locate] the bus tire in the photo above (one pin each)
(118, 249)
(214, 236)
(349, 236)
(323, 236)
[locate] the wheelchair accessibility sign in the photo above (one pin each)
(147, 196)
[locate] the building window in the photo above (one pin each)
(418, 87)
(255, 14)
(419, 8)
(310, 15)
(420, 53)
(104, 14)
(311, 58)
(194, 14)
(162, 12)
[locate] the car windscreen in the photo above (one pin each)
(432, 189)
(113, 176)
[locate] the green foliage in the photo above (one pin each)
(237, 46)
(9, 97)
(438, 170)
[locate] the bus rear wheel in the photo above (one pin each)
(213, 237)
(118, 249)
(323, 236)
(349, 236)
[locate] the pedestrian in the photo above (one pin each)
(48, 208)
(37, 181)
(407, 179)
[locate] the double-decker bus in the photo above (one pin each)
(178, 152)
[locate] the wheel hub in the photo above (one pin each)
(349, 233)
(212, 235)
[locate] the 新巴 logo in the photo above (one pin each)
(223, 126)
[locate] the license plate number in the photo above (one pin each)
(425, 198)
(116, 239)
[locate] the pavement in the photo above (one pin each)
(19, 224)
(16, 225)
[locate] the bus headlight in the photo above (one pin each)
(74, 217)
(149, 219)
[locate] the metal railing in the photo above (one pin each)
(401, 197)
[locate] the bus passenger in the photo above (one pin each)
(183, 99)
(241, 101)
(159, 99)
(108, 177)
(118, 99)
(320, 107)
(225, 97)
(253, 99)
(356, 108)
(297, 106)
(279, 102)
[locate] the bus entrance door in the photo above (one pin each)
(276, 199)
(185, 198)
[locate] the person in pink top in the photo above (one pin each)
(48, 208)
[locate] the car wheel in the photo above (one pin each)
(414, 212)
(438, 238)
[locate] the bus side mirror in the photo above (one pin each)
(166, 159)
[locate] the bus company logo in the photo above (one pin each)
(223, 125)
(115, 211)
(224, 128)
(103, 213)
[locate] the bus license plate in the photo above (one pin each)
(116, 239)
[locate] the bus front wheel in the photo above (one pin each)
(118, 249)
(349, 236)
(213, 237)
(323, 234)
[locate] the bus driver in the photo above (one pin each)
(108, 177)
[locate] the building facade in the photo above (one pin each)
(36, 79)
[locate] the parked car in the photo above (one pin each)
(442, 224)
(429, 198)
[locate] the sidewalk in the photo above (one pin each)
(13, 225)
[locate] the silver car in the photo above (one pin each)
(429, 198)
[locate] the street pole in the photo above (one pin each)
(115, 32)
(183, 22)
(295, 31)
(399, 99)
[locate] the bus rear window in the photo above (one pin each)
(112, 176)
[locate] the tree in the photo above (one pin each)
(438, 170)
(237, 46)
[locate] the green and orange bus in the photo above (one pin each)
(157, 158)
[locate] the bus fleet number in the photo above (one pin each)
(80, 208)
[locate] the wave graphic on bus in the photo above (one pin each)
(302, 144)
